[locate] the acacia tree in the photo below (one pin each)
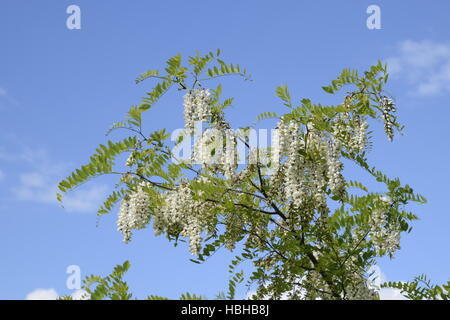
(309, 231)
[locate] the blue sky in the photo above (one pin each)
(61, 89)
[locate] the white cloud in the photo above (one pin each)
(42, 294)
(36, 187)
(391, 294)
(51, 294)
(39, 183)
(424, 64)
(87, 200)
(6, 99)
(33, 180)
(377, 278)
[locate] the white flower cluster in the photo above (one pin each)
(231, 155)
(334, 172)
(180, 213)
(386, 236)
(356, 286)
(360, 136)
(304, 178)
(217, 147)
(208, 148)
(197, 107)
(130, 160)
(360, 289)
(295, 164)
(352, 132)
(388, 107)
(134, 212)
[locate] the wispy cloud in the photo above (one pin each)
(87, 200)
(37, 187)
(424, 64)
(38, 182)
(6, 99)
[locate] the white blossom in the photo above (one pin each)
(388, 107)
(385, 236)
(334, 172)
(209, 148)
(360, 289)
(231, 156)
(182, 214)
(197, 107)
(134, 212)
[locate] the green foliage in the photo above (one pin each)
(421, 288)
(189, 296)
(100, 163)
(283, 93)
(284, 242)
(348, 77)
(266, 115)
(153, 297)
(103, 160)
(113, 287)
(111, 200)
(233, 282)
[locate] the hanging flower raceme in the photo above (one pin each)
(217, 148)
(285, 181)
(134, 212)
(304, 177)
(384, 234)
(231, 155)
(318, 146)
(388, 107)
(182, 214)
(360, 289)
(208, 148)
(197, 107)
(351, 131)
(334, 172)
(386, 237)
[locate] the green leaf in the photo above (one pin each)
(282, 92)
(328, 89)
